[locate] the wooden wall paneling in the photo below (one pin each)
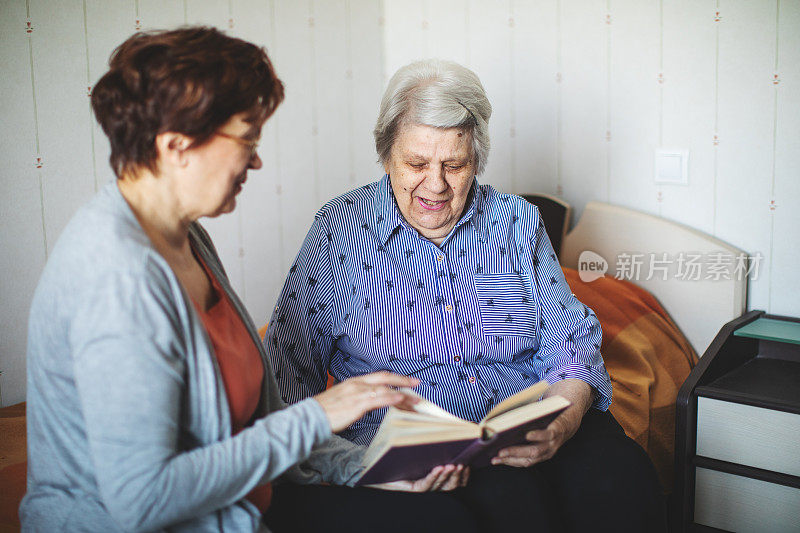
(207, 13)
(333, 134)
(729, 75)
(635, 89)
(293, 57)
(688, 108)
(490, 39)
(22, 237)
(784, 234)
(404, 36)
(59, 63)
(447, 30)
(159, 15)
(106, 26)
(583, 103)
(365, 51)
(746, 133)
(263, 263)
(535, 91)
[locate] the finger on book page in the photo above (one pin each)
(407, 403)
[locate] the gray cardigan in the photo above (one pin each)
(128, 421)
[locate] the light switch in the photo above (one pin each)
(672, 166)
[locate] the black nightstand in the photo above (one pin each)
(738, 430)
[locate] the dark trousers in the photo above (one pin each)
(600, 480)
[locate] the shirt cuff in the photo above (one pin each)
(595, 376)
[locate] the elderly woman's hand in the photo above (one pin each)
(546, 442)
(444, 478)
(351, 399)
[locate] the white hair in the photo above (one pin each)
(436, 93)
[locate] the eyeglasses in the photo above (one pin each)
(252, 146)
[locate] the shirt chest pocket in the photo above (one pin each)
(506, 305)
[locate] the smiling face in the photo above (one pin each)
(431, 171)
(218, 168)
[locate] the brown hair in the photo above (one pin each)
(190, 81)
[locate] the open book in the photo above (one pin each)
(409, 444)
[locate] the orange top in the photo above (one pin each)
(240, 365)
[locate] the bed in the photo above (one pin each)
(653, 328)
(656, 321)
(698, 307)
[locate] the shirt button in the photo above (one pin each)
(440, 258)
(472, 379)
(456, 358)
(448, 307)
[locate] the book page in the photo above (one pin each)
(529, 412)
(429, 408)
(404, 428)
(525, 396)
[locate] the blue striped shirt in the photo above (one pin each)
(478, 318)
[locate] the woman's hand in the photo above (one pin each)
(346, 402)
(444, 478)
(546, 442)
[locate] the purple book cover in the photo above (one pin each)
(416, 461)
(481, 452)
(412, 462)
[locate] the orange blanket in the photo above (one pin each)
(648, 359)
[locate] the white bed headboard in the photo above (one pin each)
(698, 307)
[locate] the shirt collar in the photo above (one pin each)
(389, 218)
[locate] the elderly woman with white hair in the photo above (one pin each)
(430, 274)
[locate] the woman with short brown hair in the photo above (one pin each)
(151, 404)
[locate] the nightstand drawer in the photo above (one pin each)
(735, 503)
(747, 435)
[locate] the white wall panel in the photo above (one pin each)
(258, 211)
(535, 93)
(331, 71)
(21, 231)
(157, 14)
(490, 38)
(784, 282)
(207, 13)
(547, 136)
(106, 24)
(404, 36)
(582, 103)
(299, 184)
(447, 36)
(688, 109)
(746, 122)
(635, 89)
(365, 50)
(59, 65)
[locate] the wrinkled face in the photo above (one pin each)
(219, 167)
(431, 171)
